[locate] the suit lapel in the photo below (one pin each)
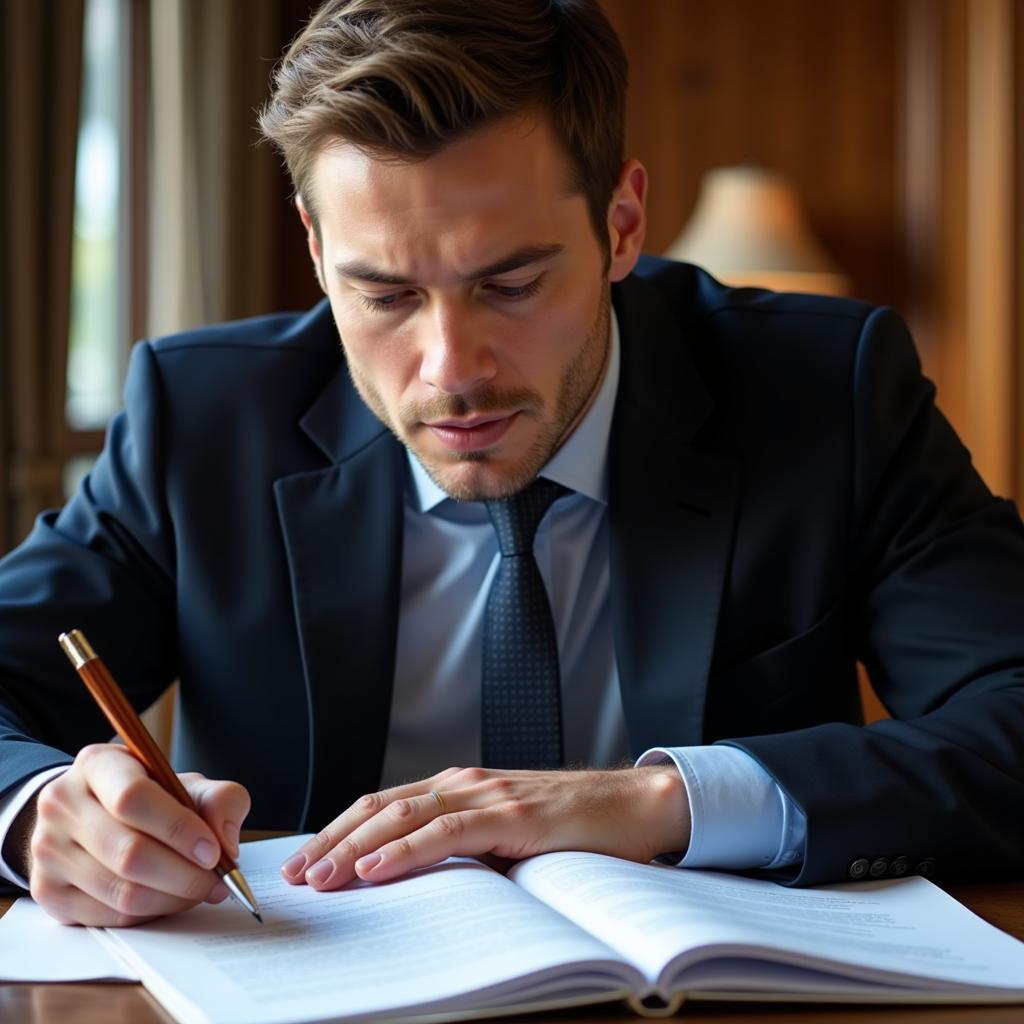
(342, 528)
(671, 514)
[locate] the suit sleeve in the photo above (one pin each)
(103, 564)
(937, 579)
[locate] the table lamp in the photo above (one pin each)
(748, 229)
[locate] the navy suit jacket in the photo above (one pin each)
(784, 500)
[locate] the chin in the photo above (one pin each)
(479, 476)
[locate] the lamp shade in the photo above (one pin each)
(748, 229)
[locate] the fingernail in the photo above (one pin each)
(205, 853)
(319, 873)
(368, 863)
(294, 865)
(231, 834)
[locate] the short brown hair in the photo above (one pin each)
(401, 79)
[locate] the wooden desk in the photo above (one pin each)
(1001, 903)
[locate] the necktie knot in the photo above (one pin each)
(516, 519)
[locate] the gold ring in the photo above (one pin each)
(440, 800)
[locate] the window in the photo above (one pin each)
(98, 280)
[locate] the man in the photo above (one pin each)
(739, 494)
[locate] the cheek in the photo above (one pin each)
(557, 333)
(379, 357)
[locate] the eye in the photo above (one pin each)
(517, 292)
(379, 303)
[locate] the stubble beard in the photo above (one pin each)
(579, 383)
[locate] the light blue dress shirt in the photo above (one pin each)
(740, 818)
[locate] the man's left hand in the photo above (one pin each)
(634, 813)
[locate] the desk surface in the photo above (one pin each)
(1001, 903)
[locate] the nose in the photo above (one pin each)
(455, 357)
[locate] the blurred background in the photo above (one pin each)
(136, 201)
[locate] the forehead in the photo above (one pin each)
(485, 194)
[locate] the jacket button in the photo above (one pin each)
(879, 866)
(859, 868)
(899, 866)
(926, 868)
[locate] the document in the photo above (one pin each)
(35, 947)
(564, 929)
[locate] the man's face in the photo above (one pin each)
(472, 299)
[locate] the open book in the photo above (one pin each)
(563, 929)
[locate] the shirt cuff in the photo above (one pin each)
(10, 807)
(739, 816)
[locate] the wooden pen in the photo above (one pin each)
(127, 724)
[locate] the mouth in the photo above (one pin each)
(474, 433)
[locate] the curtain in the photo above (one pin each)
(216, 198)
(40, 82)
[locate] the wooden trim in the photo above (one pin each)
(919, 135)
(960, 169)
(991, 365)
(952, 214)
(1017, 218)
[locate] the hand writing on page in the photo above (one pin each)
(635, 813)
(110, 847)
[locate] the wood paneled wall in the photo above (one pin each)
(808, 88)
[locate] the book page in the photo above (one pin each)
(899, 932)
(420, 941)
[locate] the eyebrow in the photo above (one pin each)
(360, 271)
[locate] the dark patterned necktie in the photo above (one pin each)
(521, 697)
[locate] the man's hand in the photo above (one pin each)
(110, 847)
(635, 813)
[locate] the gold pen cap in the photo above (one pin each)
(77, 648)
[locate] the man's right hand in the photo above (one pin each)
(110, 847)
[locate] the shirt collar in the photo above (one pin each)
(580, 464)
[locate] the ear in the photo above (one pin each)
(312, 241)
(627, 219)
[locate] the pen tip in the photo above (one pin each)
(257, 916)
